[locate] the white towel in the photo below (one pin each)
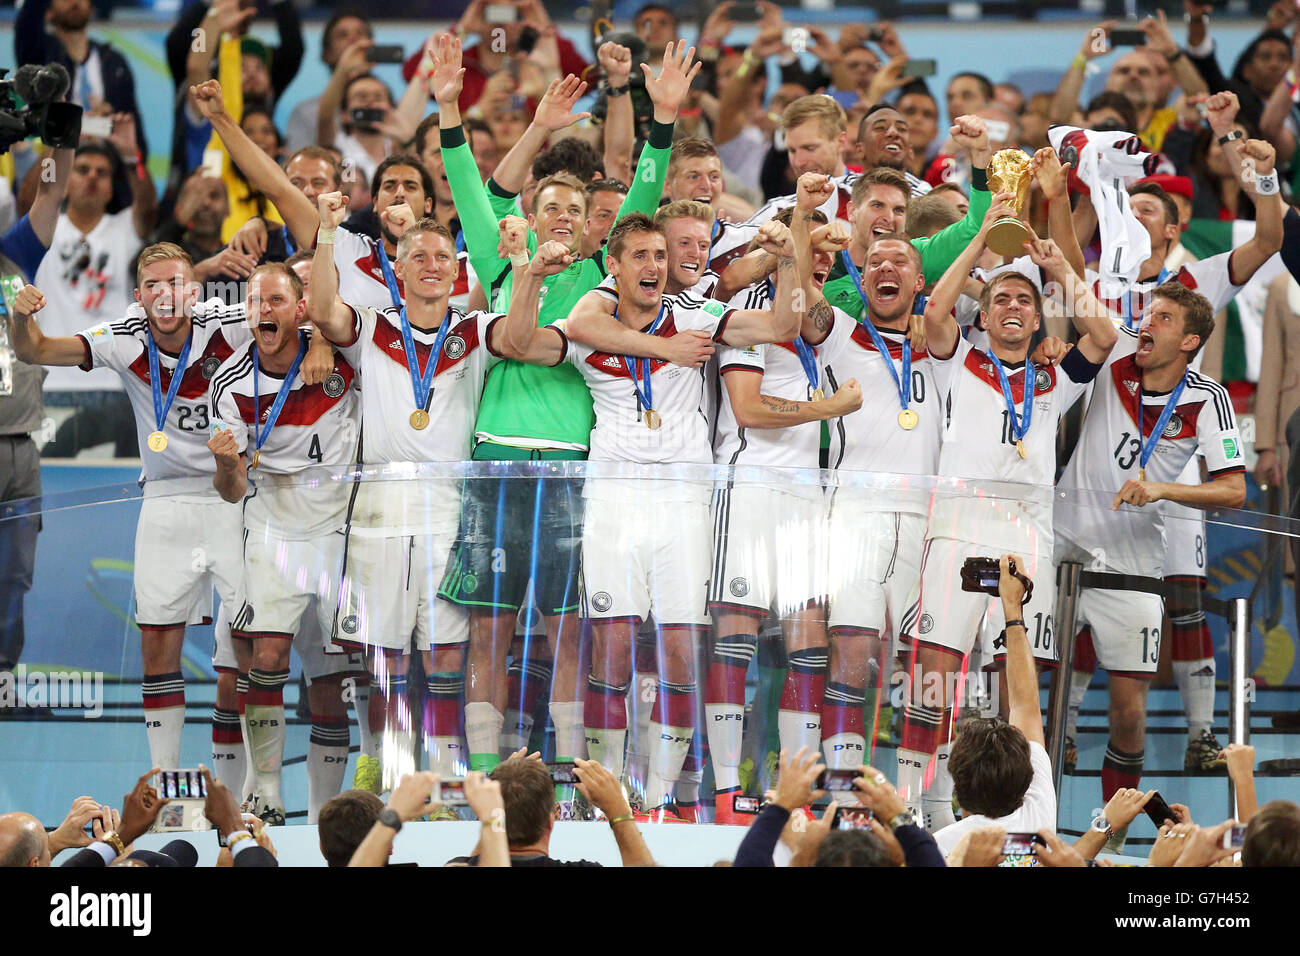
(1107, 163)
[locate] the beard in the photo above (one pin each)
(71, 20)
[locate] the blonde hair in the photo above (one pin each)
(684, 209)
(425, 224)
(820, 107)
(162, 252)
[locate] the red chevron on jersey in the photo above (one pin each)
(982, 368)
(462, 339)
(304, 406)
(369, 265)
(1128, 386)
(863, 339)
(614, 365)
(195, 383)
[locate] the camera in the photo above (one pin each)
(29, 107)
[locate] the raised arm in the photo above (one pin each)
(224, 16)
(34, 347)
(667, 91)
(620, 123)
(1160, 41)
(1094, 323)
(785, 319)
(1053, 179)
(44, 214)
(1065, 102)
(352, 63)
(262, 172)
(941, 329)
(144, 199)
(1022, 679)
(1256, 164)
(939, 251)
(603, 790)
(554, 113)
(518, 337)
(326, 310)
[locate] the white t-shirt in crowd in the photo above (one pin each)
(1036, 813)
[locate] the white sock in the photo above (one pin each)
(163, 724)
(483, 724)
(725, 729)
(645, 684)
(936, 800)
(911, 776)
(517, 730)
(606, 748)
(796, 729)
(566, 715)
(668, 746)
(229, 757)
(688, 787)
(844, 751)
(1079, 681)
(398, 749)
(266, 731)
(1195, 681)
(327, 762)
(361, 711)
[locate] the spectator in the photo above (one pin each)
(1257, 71)
(921, 111)
(604, 199)
(342, 29)
(1273, 836)
(968, 92)
(24, 841)
(344, 822)
(1278, 396)
(1190, 145)
(1001, 773)
(281, 62)
(196, 227)
(102, 83)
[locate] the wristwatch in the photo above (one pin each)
(1102, 825)
(905, 819)
(389, 818)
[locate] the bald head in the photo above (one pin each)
(23, 841)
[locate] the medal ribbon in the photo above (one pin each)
(288, 240)
(1020, 427)
(1149, 444)
(390, 280)
(161, 408)
(807, 358)
(902, 383)
(422, 381)
(261, 435)
(644, 370)
(1129, 318)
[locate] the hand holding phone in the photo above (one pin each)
(1022, 844)
(1159, 810)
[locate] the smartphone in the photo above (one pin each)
(853, 818)
(562, 773)
(1235, 837)
(915, 69)
(836, 781)
(1158, 810)
(367, 117)
(1127, 38)
(96, 125)
(451, 793)
(745, 13)
(528, 38)
(875, 35)
(500, 13)
(182, 785)
(1022, 844)
(386, 53)
(747, 804)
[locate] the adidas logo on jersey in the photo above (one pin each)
(610, 362)
(1132, 387)
(396, 344)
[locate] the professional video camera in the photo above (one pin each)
(29, 106)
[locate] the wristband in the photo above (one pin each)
(747, 63)
(1013, 622)
(325, 235)
(1173, 57)
(1266, 185)
(1080, 62)
(627, 818)
(115, 841)
(1227, 138)
(519, 260)
(618, 90)
(236, 837)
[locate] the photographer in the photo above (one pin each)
(1001, 772)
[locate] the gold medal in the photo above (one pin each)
(652, 419)
(1020, 449)
(419, 419)
(1142, 474)
(257, 456)
(818, 395)
(907, 419)
(157, 441)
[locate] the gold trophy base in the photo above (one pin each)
(1007, 237)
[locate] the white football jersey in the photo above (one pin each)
(979, 443)
(217, 331)
(317, 429)
(836, 207)
(1128, 301)
(871, 439)
(677, 394)
(783, 376)
(730, 241)
(1131, 540)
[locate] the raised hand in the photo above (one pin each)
(875, 791)
(1159, 39)
(551, 258)
(690, 349)
(447, 78)
(1052, 177)
(812, 190)
(1258, 159)
(483, 794)
(231, 17)
(1221, 111)
(123, 136)
(397, 218)
(413, 795)
(1047, 255)
(29, 300)
(512, 233)
(250, 239)
(207, 98)
(1050, 351)
(774, 237)
(669, 88)
(353, 61)
(717, 26)
(1096, 42)
(555, 111)
(140, 808)
(971, 135)
(832, 237)
(794, 787)
(601, 788)
(999, 208)
(333, 208)
(616, 61)
(221, 808)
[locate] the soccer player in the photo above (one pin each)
(770, 542)
(529, 413)
(292, 523)
(1149, 415)
(166, 350)
(415, 409)
(695, 173)
(999, 425)
(645, 544)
